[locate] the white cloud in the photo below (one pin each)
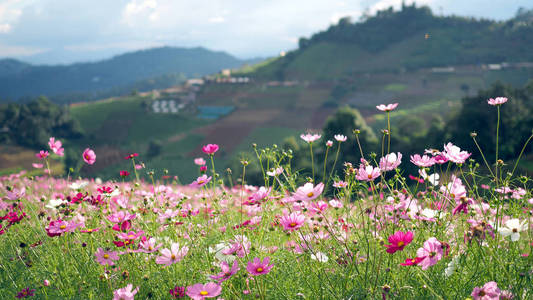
(5, 28)
(217, 19)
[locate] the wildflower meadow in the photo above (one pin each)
(458, 229)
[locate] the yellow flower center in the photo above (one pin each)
(173, 257)
(131, 236)
(63, 226)
(200, 181)
(292, 224)
(401, 243)
(89, 230)
(204, 293)
(106, 256)
(310, 194)
(259, 270)
(369, 176)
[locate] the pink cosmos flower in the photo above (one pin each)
(489, 291)
(259, 195)
(210, 149)
(125, 293)
(497, 101)
(309, 138)
(174, 255)
(308, 192)
(390, 161)
(58, 227)
(455, 154)
(431, 253)
(37, 166)
(240, 246)
(106, 258)
(367, 173)
(227, 272)
(275, 172)
(121, 216)
(89, 156)
(201, 291)
(56, 146)
(258, 267)
(388, 107)
(199, 161)
(132, 235)
(422, 161)
(148, 245)
(293, 221)
(329, 143)
(340, 138)
(200, 181)
(399, 240)
(340, 184)
(42, 154)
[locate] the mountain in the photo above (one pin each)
(408, 39)
(92, 80)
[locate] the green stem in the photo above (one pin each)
(497, 137)
(388, 131)
(312, 160)
(325, 161)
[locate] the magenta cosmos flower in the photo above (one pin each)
(227, 272)
(497, 101)
(200, 181)
(454, 154)
(125, 293)
(367, 173)
(258, 267)
(104, 257)
(422, 161)
(430, 253)
(56, 146)
(489, 291)
(293, 221)
(210, 149)
(174, 255)
(390, 161)
(388, 107)
(399, 240)
(89, 156)
(308, 192)
(42, 154)
(309, 138)
(201, 291)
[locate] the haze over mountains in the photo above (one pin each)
(152, 68)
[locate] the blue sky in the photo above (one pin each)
(64, 31)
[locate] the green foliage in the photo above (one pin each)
(34, 123)
(410, 38)
(477, 116)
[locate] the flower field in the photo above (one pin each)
(458, 229)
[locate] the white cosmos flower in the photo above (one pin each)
(319, 256)
(78, 185)
(512, 228)
(452, 266)
(53, 203)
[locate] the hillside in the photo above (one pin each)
(153, 68)
(409, 39)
